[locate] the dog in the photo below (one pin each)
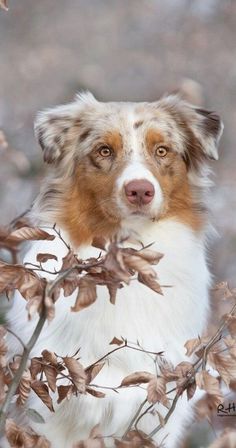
(140, 171)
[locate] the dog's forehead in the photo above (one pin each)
(133, 120)
(129, 115)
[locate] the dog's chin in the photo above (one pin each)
(142, 213)
(119, 214)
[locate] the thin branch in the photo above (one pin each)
(17, 377)
(120, 348)
(16, 336)
(168, 415)
(134, 418)
(142, 415)
(61, 238)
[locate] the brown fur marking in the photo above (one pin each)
(137, 124)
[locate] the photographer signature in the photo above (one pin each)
(228, 410)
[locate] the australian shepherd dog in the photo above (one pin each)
(139, 171)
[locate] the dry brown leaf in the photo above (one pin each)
(116, 341)
(135, 439)
(2, 387)
(226, 440)
(64, 392)
(51, 376)
(224, 289)
(191, 389)
(161, 418)
(70, 283)
(95, 393)
(43, 258)
(17, 277)
(206, 406)
(24, 388)
(77, 373)
(3, 332)
(95, 439)
(231, 345)
(19, 437)
(3, 139)
(152, 256)
(3, 351)
(49, 357)
(114, 264)
(156, 391)
(29, 233)
(14, 434)
(224, 364)
(34, 306)
(168, 373)
(3, 5)
(150, 282)
(210, 384)
(140, 265)
(9, 277)
(112, 289)
(41, 389)
(3, 347)
(49, 307)
(14, 365)
(68, 261)
(30, 285)
(231, 324)
(184, 371)
(87, 294)
(93, 370)
(136, 378)
(191, 345)
(27, 282)
(232, 385)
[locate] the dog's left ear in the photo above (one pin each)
(207, 128)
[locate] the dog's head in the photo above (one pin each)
(118, 161)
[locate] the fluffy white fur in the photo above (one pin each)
(158, 323)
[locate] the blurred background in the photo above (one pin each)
(120, 50)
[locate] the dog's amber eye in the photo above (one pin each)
(161, 151)
(104, 151)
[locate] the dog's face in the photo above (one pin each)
(115, 161)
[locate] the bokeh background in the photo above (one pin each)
(120, 50)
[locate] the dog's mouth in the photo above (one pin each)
(139, 213)
(118, 210)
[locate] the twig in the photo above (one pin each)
(169, 413)
(134, 418)
(142, 415)
(120, 348)
(61, 238)
(17, 377)
(78, 266)
(16, 336)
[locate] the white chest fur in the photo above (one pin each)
(158, 323)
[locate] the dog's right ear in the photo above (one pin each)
(51, 130)
(54, 127)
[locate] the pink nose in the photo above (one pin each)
(139, 192)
